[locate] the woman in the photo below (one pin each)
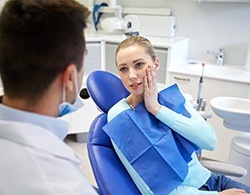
(137, 66)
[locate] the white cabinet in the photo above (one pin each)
(92, 60)
(212, 88)
(162, 55)
(110, 49)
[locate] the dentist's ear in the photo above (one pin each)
(68, 77)
(157, 64)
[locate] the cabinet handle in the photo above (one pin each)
(181, 79)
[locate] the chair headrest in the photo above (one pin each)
(106, 89)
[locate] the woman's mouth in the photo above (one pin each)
(135, 85)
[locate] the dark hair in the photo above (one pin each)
(137, 40)
(38, 40)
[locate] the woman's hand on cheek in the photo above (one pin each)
(150, 91)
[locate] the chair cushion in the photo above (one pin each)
(105, 89)
(110, 174)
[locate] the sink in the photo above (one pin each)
(235, 112)
(215, 70)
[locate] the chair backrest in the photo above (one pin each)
(111, 176)
(105, 89)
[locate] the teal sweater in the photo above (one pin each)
(193, 129)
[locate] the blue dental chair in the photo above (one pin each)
(111, 176)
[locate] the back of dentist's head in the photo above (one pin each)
(38, 40)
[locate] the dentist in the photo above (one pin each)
(42, 47)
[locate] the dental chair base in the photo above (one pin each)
(240, 155)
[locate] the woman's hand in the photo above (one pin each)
(233, 191)
(150, 91)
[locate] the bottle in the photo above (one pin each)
(112, 3)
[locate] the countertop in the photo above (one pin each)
(226, 72)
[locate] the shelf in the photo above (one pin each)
(131, 10)
(223, 1)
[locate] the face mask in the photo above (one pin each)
(66, 107)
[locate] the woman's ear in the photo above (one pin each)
(68, 77)
(157, 64)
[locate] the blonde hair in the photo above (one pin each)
(136, 40)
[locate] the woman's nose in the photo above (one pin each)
(132, 74)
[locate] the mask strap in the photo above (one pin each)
(63, 93)
(76, 82)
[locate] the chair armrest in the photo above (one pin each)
(224, 168)
(205, 114)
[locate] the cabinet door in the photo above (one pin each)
(213, 88)
(161, 54)
(188, 84)
(92, 60)
(110, 49)
(81, 119)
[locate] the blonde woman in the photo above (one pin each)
(164, 161)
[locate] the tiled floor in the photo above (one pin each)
(81, 150)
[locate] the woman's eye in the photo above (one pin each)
(139, 64)
(123, 69)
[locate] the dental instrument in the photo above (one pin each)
(200, 101)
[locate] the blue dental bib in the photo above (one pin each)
(156, 152)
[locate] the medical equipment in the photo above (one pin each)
(200, 101)
(136, 20)
(130, 24)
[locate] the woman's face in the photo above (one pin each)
(132, 63)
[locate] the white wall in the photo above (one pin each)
(2, 2)
(209, 26)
